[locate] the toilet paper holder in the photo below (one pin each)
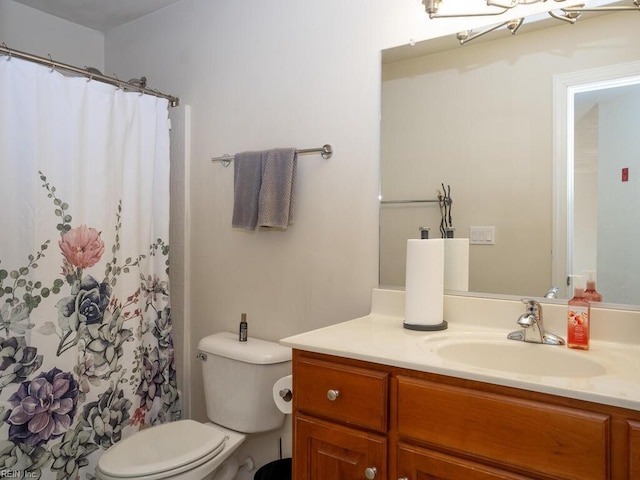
(286, 394)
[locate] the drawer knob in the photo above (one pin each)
(333, 395)
(370, 472)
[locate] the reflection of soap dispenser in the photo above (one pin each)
(574, 282)
(590, 292)
(578, 321)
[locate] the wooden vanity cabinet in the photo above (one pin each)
(357, 420)
(340, 420)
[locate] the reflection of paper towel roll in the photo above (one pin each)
(283, 394)
(424, 286)
(456, 264)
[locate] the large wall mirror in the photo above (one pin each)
(480, 118)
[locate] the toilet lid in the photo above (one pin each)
(161, 448)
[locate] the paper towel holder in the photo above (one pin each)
(426, 328)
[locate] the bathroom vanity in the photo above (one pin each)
(374, 400)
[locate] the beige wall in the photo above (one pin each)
(267, 74)
(26, 29)
(479, 118)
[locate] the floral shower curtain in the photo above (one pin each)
(86, 353)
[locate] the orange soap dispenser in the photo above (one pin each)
(578, 321)
(590, 292)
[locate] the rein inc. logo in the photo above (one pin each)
(17, 474)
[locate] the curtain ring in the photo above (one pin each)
(4, 45)
(53, 65)
(120, 85)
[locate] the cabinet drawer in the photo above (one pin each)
(506, 430)
(414, 462)
(342, 393)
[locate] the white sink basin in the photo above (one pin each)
(496, 352)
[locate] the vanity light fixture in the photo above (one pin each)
(467, 35)
(571, 14)
(501, 6)
(498, 7)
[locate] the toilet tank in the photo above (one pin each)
(238, 381)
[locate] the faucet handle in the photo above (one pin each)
(533, 307)
(534, 331)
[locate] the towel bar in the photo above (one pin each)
(388, 202)
(326, 151)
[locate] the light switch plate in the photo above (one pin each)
(482, 235)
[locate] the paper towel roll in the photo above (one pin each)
(424, 286)
(456, 264)
(283, 394)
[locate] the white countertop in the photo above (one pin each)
(382, 339)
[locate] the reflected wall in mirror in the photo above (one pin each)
(480, 118)
(598, 109)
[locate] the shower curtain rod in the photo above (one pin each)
(173, 101)
(326, 151)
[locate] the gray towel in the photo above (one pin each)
(275, 206)
(247, 179)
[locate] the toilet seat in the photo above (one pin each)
(171, 448)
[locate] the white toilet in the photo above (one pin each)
(238, 382)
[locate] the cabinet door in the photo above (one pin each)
(634, 449)
(421, 464)
(327, 451)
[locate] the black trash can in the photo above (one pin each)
(277, 470)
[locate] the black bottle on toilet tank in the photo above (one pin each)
(242, 336)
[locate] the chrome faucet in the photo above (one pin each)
(533, 327)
